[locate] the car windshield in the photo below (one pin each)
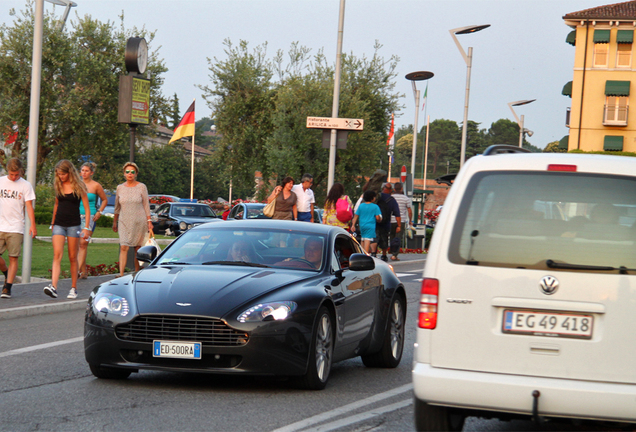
(192, 210)
(254, 247)
(547, 220)
(254, 212)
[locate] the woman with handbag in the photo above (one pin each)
(285, 200)
(338, 210)
(132, 215)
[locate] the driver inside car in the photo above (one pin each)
(311, 259)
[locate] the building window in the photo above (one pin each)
(616, 108)
(624, 55)
(601, 51)
(613, 143)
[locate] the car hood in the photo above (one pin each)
(211, 290)
(194, 219)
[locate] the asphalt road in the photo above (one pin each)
(46, 385)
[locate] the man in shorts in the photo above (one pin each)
(15, 194)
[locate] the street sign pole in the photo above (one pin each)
(336, 99)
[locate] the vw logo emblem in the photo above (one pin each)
(549, 285)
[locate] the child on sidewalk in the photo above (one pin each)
(368, 213)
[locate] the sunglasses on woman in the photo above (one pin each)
(130, 171)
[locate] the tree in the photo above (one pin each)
(283, 145)
(553, 147)
(81, 66)
(242, 100)
(444, 136)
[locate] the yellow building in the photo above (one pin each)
(604, 68)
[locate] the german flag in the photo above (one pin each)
(186, 125)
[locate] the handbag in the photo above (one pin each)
(344, 212)
(150, 241)
(269, 209)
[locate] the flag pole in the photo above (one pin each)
(192, 168)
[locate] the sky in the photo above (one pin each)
(522, 55)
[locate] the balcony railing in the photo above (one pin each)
(615, 115)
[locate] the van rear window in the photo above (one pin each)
(524, 219)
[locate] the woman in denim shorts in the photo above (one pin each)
(70, 190)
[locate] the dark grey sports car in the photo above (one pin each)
(259, 297)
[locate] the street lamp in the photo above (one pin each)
(413, 77)
(520, 121)
(469, 61)
(69, 4)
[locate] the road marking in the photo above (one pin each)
(40, 347)
(401, 275)
(345, 409)
(347, 421)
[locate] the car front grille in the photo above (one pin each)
(208, 331)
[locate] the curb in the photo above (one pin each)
(26, 311)
(106, 240)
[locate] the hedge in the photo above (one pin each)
(44, 216)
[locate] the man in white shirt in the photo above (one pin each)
(305, 201)
(15, 194)
(404, 203)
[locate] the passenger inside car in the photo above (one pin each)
(243, 251)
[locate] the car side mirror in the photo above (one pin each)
(360, 262)
(147, 254)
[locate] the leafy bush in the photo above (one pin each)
(429, 236)
(44, 196)
(105, 222)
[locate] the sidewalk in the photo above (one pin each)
(29, 299)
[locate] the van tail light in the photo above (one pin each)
(427, 318)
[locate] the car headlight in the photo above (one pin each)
(111, 303)
(268, 312)
(183, 226)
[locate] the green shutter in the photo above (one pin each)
(613, 143)
(563, 142)
(617, 88)
(601, 36)
(567, 89)
(571, 38)
(625, 36)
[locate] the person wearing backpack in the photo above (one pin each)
(338, 209)
(369, 215)
(389, 207)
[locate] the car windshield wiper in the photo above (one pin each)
(558, 265)
(236, 263)
(174, 263)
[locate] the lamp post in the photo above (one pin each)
(413, 77)
(469, 62)
(520, 120)
(34, 121)
(68, 4)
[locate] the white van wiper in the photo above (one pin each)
(559, 265)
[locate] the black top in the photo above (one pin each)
(68, 214)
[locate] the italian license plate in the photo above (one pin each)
(541, 323)
(175, 349)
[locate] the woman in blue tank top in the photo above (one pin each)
(94, 190)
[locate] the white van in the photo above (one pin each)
(528, 303)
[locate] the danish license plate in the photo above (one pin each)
(555, 324)
(175, 349)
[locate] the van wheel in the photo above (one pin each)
(436, 418)
(390, 354)
(109, 373)
(320, 354)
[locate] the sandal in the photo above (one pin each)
(82, 275)
(394, 258)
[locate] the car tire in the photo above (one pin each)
(436, 418)
(390, 354)
(109, 373)
(320, 353)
